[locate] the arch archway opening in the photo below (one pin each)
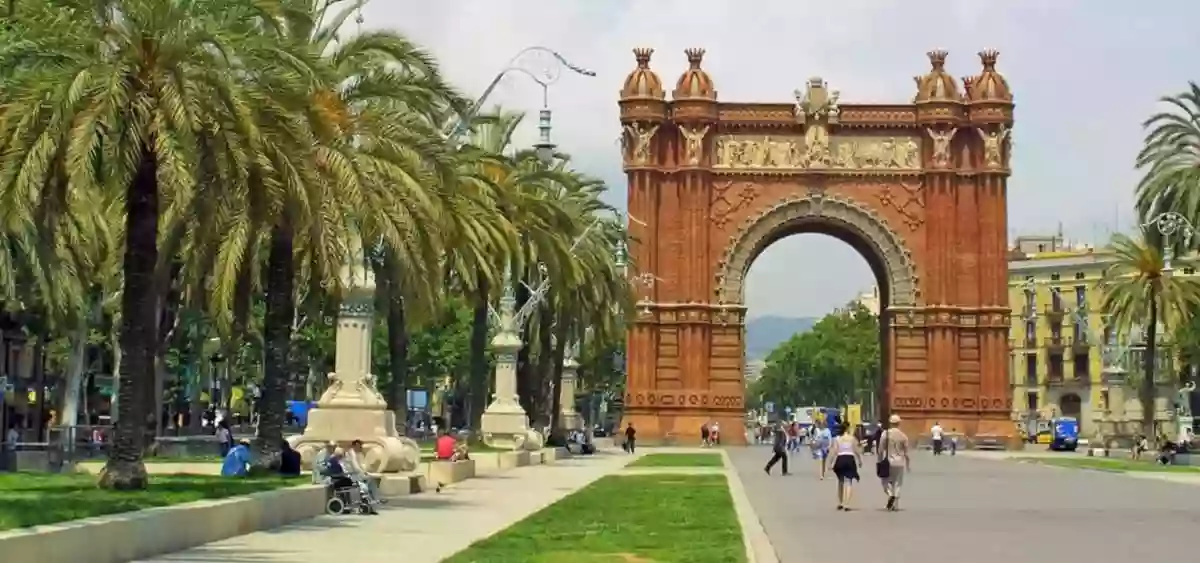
(833, 271)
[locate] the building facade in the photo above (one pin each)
(1065, 361)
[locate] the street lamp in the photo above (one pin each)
(545, 66)
(1168, 224)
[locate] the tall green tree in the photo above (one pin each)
(1170, 160)
(1141, 296)
(835, 362)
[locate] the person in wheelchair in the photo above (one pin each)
(345, 490)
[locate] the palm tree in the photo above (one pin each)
(1170, 158)
(1141, 295)
(104, 88)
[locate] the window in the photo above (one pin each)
(1189, 271)
(1056, 301)
(1031, 369)
(1079, 275)
(1104, 400)
(1031, 401)
(1082, 366)
(1054, 277)
(1080, 295)
(1055, 362)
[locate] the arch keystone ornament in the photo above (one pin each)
(917, 188)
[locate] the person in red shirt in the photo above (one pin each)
(446, 447)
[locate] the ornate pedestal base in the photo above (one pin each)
(352, 408)
(505, 427)
(386, 451)
(570, 421)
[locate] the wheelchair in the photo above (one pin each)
(344, 496)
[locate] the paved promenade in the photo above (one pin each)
(984, 510)
(423, 528)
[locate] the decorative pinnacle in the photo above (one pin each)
(937, 58)
(988, 58)
(642, 54)
(694, 56)
(968, 83)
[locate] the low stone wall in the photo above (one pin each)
(449, 472)
(147, 533)
(394, 485)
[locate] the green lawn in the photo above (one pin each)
(32, 499)
(657, 518)
(1111, 464)
(679, 460)
(214, 458)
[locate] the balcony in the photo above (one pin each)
(1055, 342)
(1056, 310)
(1081, 343)
(1030, 341)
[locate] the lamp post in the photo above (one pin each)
(504, 423)
(1168, 224)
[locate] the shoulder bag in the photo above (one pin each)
(883, 467)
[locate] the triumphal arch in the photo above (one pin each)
(917, 188)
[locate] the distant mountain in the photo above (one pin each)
(763, 334)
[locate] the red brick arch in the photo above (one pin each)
(917, 188)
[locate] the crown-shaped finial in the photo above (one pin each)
(968, 83)
(642, 54)
(694, 56)
(988, 58)
(937, 58)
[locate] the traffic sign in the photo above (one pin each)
(770, 407)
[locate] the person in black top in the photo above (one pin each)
(289, 461)
(630, 438)
(780, 451)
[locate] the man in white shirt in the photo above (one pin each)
(357, 471)
(936, 433)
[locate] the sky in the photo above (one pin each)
(1085, 75)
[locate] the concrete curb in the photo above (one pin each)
(754, 536)
(167, 529)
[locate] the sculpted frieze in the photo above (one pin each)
(817, 150)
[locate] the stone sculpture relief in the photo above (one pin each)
(693, 148)
(637, 142)
(941, 146)
(909, 201)
(993, 146)
(756, 231)
(817, 150)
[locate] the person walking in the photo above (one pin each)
(779, 449)
(704, 435)
(821, 448)
(846, 459)
(893, 461)
(936, 433)
(630, 438)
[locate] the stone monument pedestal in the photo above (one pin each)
(568, 418)
(504, 424)
(352, 408)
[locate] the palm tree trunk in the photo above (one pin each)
(541, 375)
(69, 410)
(125, 470)
(397, 329)
(556, 376)
(1148, 383)
(478, 389)
(278, 320)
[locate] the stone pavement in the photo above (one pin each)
(415, 529)
(986, 510)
